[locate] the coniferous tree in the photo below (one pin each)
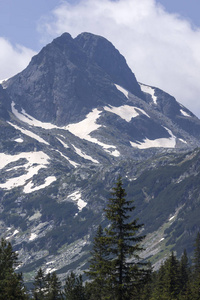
(184, 272)
(124, 244)
(40, 287)
(121, 264)
(11, 283)
(168, 280)
(159, 281)
(98, 270)
(74, 289)
(172, 286)
(195, 282)
(145, 291)
(52, 287)
(196, 258)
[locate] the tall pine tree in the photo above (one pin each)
(195, 283)
(98, 271)
(184, 272)
(39, 285)
(53, 287)
(11, 283)
(172, 285)
(74, 289)
(124, 244)
(121, 264)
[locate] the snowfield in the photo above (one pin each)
(82, 129)
(73, 163)
(26, 118)
(29, 188)
(122, 90)
(35, 162)
(184, 113)
(86, 127)
(76, 196)
(162, 142)
(29, 133)
(85, 156)
(126, 112)
(149, 90)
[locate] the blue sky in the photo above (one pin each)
(187, 9)
(160, 39)
(19, 20)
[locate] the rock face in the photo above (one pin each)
(179, 115)
(71, 84)
(4, 104)
(107, 57)
(70, 77)
(71, 122)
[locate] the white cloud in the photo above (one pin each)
(161, 48)
(13, 59)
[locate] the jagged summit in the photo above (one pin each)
(62, 83)
(70, 78)
(70, 123)
(109, 59)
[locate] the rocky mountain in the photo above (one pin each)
(71, 122)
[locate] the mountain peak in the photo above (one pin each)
(62, 84)
(71, 122)
(64, 37)
(110, 60)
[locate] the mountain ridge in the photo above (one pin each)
(70, 124)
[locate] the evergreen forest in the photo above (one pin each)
(116, 270)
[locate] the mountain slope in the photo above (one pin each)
(71, 122)
(106, 56)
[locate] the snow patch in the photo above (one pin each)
(50, 262)
(184, 113)
(49, 270)
(159, 143)
(63, 143)
(73, 163)
(19, 140)
(84, 128)
(81, 129)
(14, 233)
(149, 90)
(115, 153)
(85, 156)
(126, 112)
(33, 237)
(76, 196)
(183, 141)
(29, 187)
(121, 89)
(26, 118)
(36, 161)
(29, 133)
(170, 219)
(2, 81)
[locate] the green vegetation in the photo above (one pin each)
(11, 283)
(115, 267)
(115, 272)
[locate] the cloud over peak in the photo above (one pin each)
(13, 59)
(162, 49)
